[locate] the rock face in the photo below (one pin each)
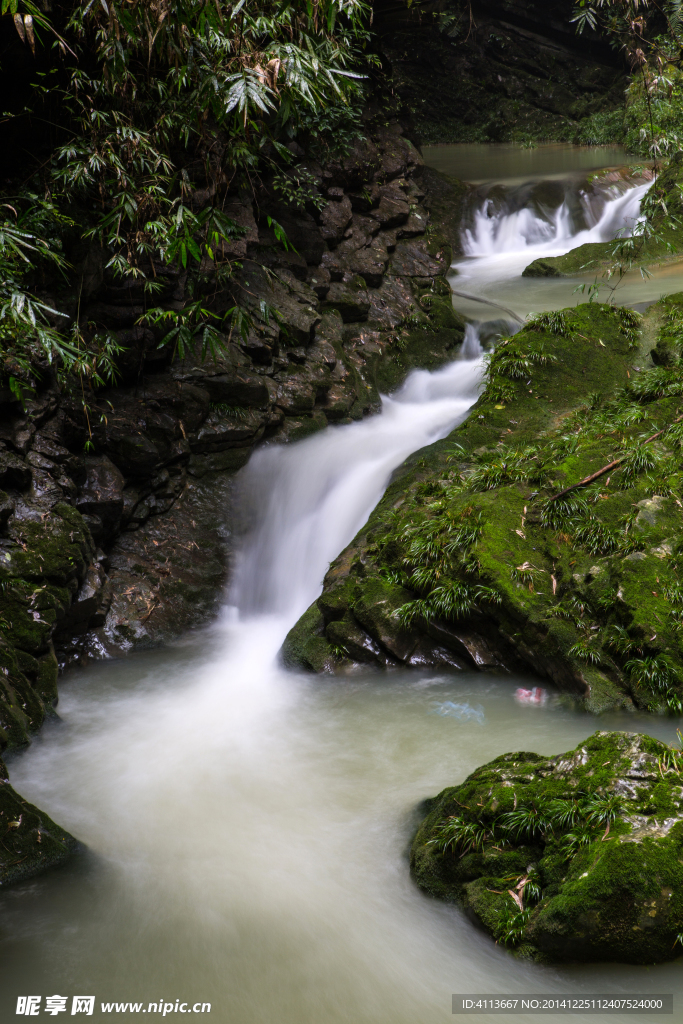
(476, 557)
(498, 71)
(31, 842)
(573, 857)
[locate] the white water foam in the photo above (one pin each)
(498, 245)
(307, 501)
(525, 231)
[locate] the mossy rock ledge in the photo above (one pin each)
(470, 563)
(30, 841)
(577, 857)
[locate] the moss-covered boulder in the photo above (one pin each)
(545, 533)
(30, 841)
(573, 857)
(43, 562)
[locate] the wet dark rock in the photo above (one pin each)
(362, 160)
(102, 493)
(240, 209)
(411, 259)
(393, 209)
(294, 394)
(219, 432)
(335, 218)
(6, 509)
(350, 298)
(390, 304)
(370, 263)
(14, 472)
(90, 606)
(166, 577)
(115, 317)
(517, 72)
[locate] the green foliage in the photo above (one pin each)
(506, 466)
(298, 187)
(513, 359)
(654, 672)
(331, 129)
(200, 95)
(512, 925)
(587, 648)
(29, 243)
(457, 834)
(601, 129)
(559, 513)
(526, 823)
(653, 118)
(556, 322)
(448, 601)
(638, 458)
(660, 382)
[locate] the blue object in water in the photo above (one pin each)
(463, 712)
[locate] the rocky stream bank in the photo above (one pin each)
(543, 534)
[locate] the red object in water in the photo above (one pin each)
(535, 696)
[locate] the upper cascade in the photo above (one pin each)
(496, 227)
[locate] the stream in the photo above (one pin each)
(247, 828)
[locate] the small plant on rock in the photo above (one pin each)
(458, 834)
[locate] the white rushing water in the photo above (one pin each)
(307, 502)
(499, 243)
(528, 234)
(248, 827)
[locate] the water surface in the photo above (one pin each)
(509, 164)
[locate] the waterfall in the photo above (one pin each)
(246, 826)
(304, 503)
(538, 231)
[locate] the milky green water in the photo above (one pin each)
(508, 164)
(248, 843)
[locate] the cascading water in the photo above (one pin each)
(248, 826)
(307, 502)
(502, 236)
(530, 233)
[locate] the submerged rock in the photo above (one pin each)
(30, 841)
(572, 857)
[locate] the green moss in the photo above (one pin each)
(306, 646)
(617, 896)
(31, 841)
(57, 548)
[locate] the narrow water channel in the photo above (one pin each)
(246, 827)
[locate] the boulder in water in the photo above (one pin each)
(577, 857)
